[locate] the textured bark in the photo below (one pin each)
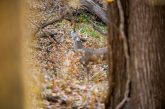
(117, 76)
(145, 30)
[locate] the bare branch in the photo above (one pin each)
(98, 29)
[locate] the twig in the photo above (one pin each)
(126, 53)
(97, 28)
(52, 21)
(45, 24)
(40, 29)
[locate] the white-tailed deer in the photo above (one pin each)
(89, 55)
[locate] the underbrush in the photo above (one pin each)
(65, 83)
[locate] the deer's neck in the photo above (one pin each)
(78, 45)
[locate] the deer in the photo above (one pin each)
(89, 55)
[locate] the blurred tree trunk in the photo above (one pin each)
(11, 89)
(144, 27)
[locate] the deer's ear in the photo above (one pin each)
(72, 34)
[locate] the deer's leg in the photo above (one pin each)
(87, 71)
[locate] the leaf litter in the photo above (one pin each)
(65, 83)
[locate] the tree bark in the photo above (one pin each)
(144, 26)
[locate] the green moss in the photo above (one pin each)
(87, 29)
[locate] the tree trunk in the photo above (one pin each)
(144, 27)
(11, 89)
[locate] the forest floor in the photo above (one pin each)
(66, 84)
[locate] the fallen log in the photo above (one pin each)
(94, 8)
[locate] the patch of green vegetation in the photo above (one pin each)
(61, 23)
(87, 29)
(84, 17)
